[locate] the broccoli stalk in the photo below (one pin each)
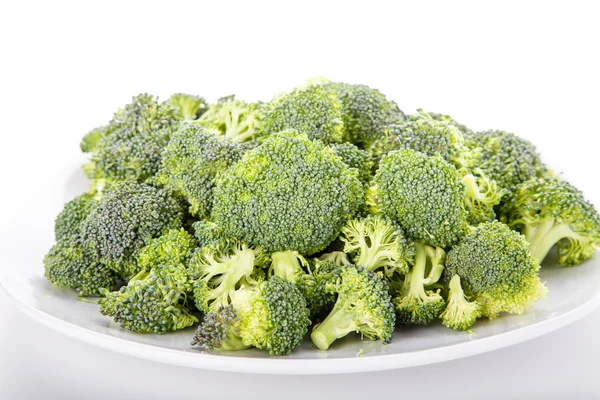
(337, 258)
(288, 265)
(460, 314)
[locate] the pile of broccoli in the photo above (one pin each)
(324, 212)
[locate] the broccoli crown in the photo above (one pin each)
(148, 304)
(363, 305)
(421, 132)
(220, 330)
(235, 119)
(273, 315)
(126, 219)
(416, 305)
(68, 265)
(365, 112)
(290, 193)
(217, 270)
(191, 162)
(190, 107)
(460, 314)
(424, 195)
(378, 243)
(496, 269)
(132, 145)
(549, 211)
(355, 158)
(207, 232)
(70, 218)
(314, 111)
(506, 158)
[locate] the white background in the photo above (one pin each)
(527, 67)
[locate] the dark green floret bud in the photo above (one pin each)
(70, 218)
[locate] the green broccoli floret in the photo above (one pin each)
(270, 315)
(68, 265)
(290, 193)
(148, 304)
(496, 269)
(90, 141)
(442, 117)
(366, 112)
(417, 305)
(236, 120)
(460, 314)
(550, 211)
(424, 195)
(363, 305)
(217, 270)
(506, 158)
(190, 163)
(378, 243)
(134, 139)
(189, 106)
(337, 258)
(314, 111)
(355, 158)
(207, 232)
(126, 219)
(74, 212)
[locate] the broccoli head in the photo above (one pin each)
(355, 158)
(190, 163)
(460, 314)
(314, 111)
(496, 269)
(190, 107)
(378, 243)
(234, 119)
(207, 232)
(74, 212)
(363, 305)
(290, 193)
(126, 219)
(550, 211)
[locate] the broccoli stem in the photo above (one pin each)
(338, 324)
(376, 254)
(544, 235)
(287, 265)
(460, 313)
(436, 256)
(416, 276)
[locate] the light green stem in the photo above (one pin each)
(337, 325)
(541, 244)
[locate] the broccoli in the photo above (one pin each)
(496, 269)
(191, 162)
(290, 193)
(442, 117)
(365, 112)
(236, 120)
(355, 158)
(375, 243)
(338, 258)
(207, 232)
(270, 315)
(68, 265)
(132, 144)
(90, 141)
(74, 212)
(217, 270)
(417, 305)
(148, 304)
(314, 111)
(460, 314)
(363, 305)
(126, 219)
(550, 211)
(190, 107)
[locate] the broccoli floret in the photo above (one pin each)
(148, 304)
(270, 315)
(218, 270)
(236, 120)
(365, 112)
(68, 265)
(363, 305)
(378, 243)
(191, 162)
(424, 195)
(74, 212)
(460, 314)
(506, 158)
(550, 211)
(496, 269)
(481, 196)
(442, 117)
(416, 305)
(355, 158)
(337, 258)
(133, 142)
(126, 219)
(189, 106)
(90, 141)
(290, 193)
(207, 232)
(314, 111)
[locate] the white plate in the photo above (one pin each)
(574, 292)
